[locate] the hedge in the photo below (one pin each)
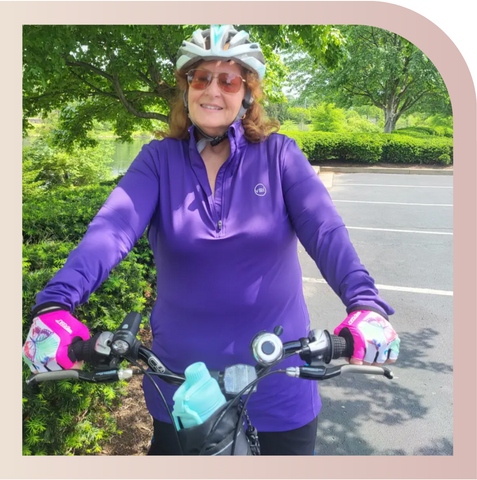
(63, 215)
(424, 132)
(402, 149)
(65, 418)
(372, 148)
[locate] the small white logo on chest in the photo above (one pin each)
(260, 190)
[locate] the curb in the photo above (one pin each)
(325, 177)
(326, 174)
(410, 171)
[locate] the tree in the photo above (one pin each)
(299, 115)
(124, 74)
(51, 167)
(327, 118)
(381, 69)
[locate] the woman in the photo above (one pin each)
(224, 200)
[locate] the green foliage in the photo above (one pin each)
(440, 121)
(370, 112)
(288, 126)
(63, 214)
(299, 115)
(124, 74)
(406, 149)
(356, 123)
(277, 111)
(68, 418)
(291, 126)
(381, 69)
(30, 174)
(327, 118)
(372, 148)
(49, 166)
(420, 132)
(445, 159)
(59, 417)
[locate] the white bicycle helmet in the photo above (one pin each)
(221, 43)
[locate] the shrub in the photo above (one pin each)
(79, 166)
(62, 418)
(329, 147)
(327, 118)
(62, 215)
(425, 131)
(355, 123)
(65, 417)
(404, 149)
(288, 126)
(445, 158)
(359, 148)
(299, 115)
(372, 148)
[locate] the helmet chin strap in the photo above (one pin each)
(201, 144)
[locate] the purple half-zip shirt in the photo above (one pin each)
(227, 264)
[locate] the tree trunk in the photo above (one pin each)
(390, 119)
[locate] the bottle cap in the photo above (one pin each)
(197, 372)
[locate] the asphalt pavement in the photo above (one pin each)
(401, 226)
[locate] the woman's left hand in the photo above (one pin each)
(374, 339)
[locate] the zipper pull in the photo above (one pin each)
(219, 225)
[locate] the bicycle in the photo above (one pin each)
(220, 434)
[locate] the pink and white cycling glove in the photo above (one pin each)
(46, 346)
(375, 340)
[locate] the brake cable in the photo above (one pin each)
(149, 376)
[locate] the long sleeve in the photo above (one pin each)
(110, 236)
(322, 232)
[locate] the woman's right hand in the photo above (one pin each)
(46, 346)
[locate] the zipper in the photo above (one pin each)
(224, 186)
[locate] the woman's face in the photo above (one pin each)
(212, 109)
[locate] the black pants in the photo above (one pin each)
(300, 441)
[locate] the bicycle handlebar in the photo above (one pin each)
(106, 350)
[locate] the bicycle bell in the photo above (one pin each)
(266, 348)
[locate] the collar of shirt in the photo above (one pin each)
(237, 143)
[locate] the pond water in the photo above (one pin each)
(124, 153)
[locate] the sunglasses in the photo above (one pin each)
(201, 79)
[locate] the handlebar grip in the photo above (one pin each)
(79, 350)
(342, 346)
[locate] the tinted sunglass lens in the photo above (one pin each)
(199, 79)
(230, 82)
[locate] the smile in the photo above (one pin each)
(211, 107)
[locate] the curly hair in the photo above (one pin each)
(257, 127)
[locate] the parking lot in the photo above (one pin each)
(401, 227)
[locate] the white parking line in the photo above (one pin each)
(379, 185)
(401, 231)
(394, 288)
(394, 203)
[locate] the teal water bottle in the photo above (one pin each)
(197, 398)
